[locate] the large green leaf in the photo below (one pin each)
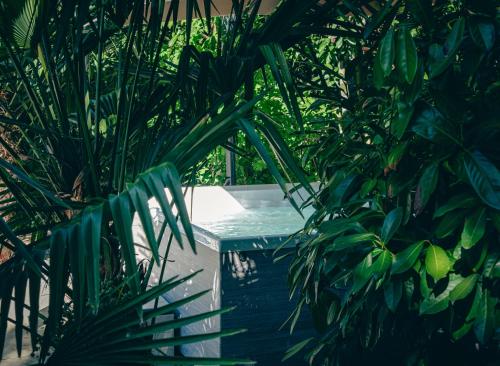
(351, 241)
(387, 53)
(437, 262)
(399, 125)
(462, 200)
(382, 263)
(406, 55)
(474, 229)
(362, 273)
(450, 223)
(464, 288)
(426, 186)
(485, 323)
(393, 292)
(434, 305)
(484, 178)
(405, 259)
(391, 224)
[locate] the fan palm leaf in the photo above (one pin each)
(105, 129)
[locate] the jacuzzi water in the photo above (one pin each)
(255, 222)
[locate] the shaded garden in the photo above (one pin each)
(392, 106)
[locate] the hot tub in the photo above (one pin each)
(237, 230)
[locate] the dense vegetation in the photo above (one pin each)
(404, 267)
(96, 125)
(392, 106)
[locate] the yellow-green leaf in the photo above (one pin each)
(437, 262)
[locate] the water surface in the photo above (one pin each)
(262, 221)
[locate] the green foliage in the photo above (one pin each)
(401, 266)
(98, 127)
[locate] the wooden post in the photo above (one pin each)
(231, 163)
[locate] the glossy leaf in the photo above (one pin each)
(437, 262)
(464, 288)
(434, 305)
(450, 223)
(387, 53)
(426, 187)
(474, 229)
(484, 325)
(382, 263)
(391, 224)
(351, 241)
(399, 125)
(393, 292)
(406, 55)
(405, 259)
(362, 273)
(456, 202)
(484, 178)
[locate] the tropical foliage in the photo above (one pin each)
(105, 104)
(403, 261)
(96, 125)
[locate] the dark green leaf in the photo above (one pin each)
(386, 52)
(90, 235)
(406, 55)
(430, 124)
(426, 186)
(405, 259)
(139, 198)
(482, 33)
(449, 223)
(399, 125)
(462, 200)
(464, 288)
(292, 351)
(484, 178)
(450, 48)
(421, 10)
(392, 294)
(434, 305)
(474, 229)
(391, 224)
(122, 218)
(484, 325)
(351, 241)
